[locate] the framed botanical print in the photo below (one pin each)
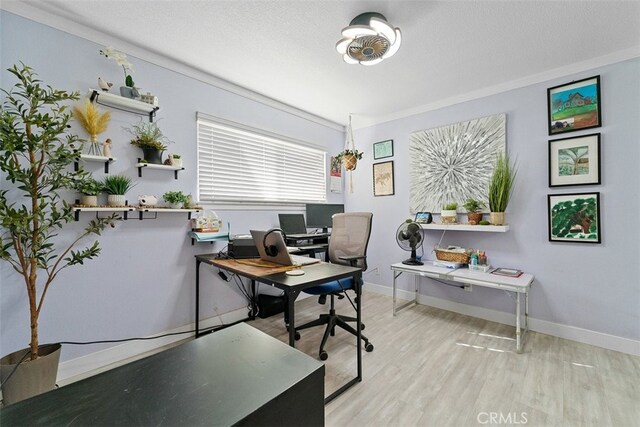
(574, 106)
(383, 179)
(574, 217)
(383, 149)
(574, 161)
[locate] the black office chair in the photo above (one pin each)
(348, 246)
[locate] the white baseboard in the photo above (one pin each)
(93, 363)
(586, 336)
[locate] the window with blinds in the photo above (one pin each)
(237, 163)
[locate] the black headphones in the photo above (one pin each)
(272, 250)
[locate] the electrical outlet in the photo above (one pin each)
(376, 271)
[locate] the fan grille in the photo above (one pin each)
(368, 48)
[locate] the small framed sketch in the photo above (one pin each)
(574, 106)
(383, 149)
(574, 217)
(383, 179)
(574, 161)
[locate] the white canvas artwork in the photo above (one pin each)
(453, 163)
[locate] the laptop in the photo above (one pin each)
(283, 257)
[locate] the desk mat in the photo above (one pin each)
(254, 267)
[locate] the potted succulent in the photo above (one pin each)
(148, 137)
(116, 186)
(89, 190)
(349, 158)
(175, 160)
(449, 213)
(35, 154)
(176, 199)
(474, 210)
(500, 188)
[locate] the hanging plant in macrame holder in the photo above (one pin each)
(349, 156)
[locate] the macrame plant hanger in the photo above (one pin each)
(349, 145)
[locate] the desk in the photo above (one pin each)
(315, 274)
(517, 285)
(219, 379)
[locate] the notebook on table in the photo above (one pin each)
(283, 257)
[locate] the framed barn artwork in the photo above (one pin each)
(574, 106)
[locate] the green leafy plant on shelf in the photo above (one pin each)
(89, 187)
(473, 205)
(148, 135)
(450, 207)
(35, 154)
(175, 197)
(117, 184)
(501, 184)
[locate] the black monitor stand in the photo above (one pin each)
(325, 230)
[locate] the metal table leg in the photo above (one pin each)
(197, 298)
(396, 309)
(518, 332)
(291, 299)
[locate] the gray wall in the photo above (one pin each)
(595, 287)
(143, 282)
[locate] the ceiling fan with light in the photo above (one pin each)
(369, 39)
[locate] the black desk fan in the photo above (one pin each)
(409, 238)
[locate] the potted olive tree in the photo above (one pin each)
(500, 189)
(35, 154)
(150, 139)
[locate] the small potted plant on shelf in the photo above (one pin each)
(449, 214)
(116, 186)
(89, 190)
(349, 158)
(474, 210)
(148, 137)
(500, 188)
(176, 199)
(128, 90)
(175, 160)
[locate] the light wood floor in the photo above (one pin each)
(432, 367)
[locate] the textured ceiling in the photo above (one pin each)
(285, 49)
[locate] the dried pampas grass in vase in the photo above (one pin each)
(94, 122)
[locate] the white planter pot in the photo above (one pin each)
(176, 205)
(176, 162)
(449, 216)
(116, 200)
(88, 200)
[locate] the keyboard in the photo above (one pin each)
(308, 235)
(303, 260)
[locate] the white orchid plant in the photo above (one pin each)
(121, 59)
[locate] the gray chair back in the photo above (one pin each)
(350, 234)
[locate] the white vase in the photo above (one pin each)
(116, 200)
(449, 216)
(90, 201)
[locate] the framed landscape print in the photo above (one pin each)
(383, 179)
(574, 161)
(574, 217)
(574, 106)
(383, 149)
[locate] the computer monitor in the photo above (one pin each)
(319, 215)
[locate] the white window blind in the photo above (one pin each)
(241, 164)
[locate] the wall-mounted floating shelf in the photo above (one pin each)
(142, 210)
(466, 227)
(124, 209)
(92, 158)
(208, 237)
(124, 104)
(141, 165)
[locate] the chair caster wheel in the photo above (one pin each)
(297, 336)
(368, 347)
(324, 355)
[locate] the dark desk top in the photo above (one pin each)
(215, 380)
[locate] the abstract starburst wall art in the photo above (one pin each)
(453, 163)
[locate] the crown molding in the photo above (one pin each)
(578, 67)
(46, 14)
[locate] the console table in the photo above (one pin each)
(237, 376)
(518, 285)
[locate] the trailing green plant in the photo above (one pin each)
(450, 207)
(473, 205)
(117, 184)
(357, 154)
(175, 197)
(35, 154)
(501, 184)
(148, 135)
(89, 187)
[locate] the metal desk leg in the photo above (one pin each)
(526, 310)
(518, 332)
(358, 282)
(254, 297)
(291, 299)
(197, 298)
(396, 309)
(395, 276)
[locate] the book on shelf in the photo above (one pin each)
(509, 272)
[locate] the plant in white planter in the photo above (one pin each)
(89, 190)
(116, 186)
(35, 154)
(500, 189)
(449, 213)
(176, 199)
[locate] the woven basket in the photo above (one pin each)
(350, 162)
(444, 255)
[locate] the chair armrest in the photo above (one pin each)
(352, 259)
